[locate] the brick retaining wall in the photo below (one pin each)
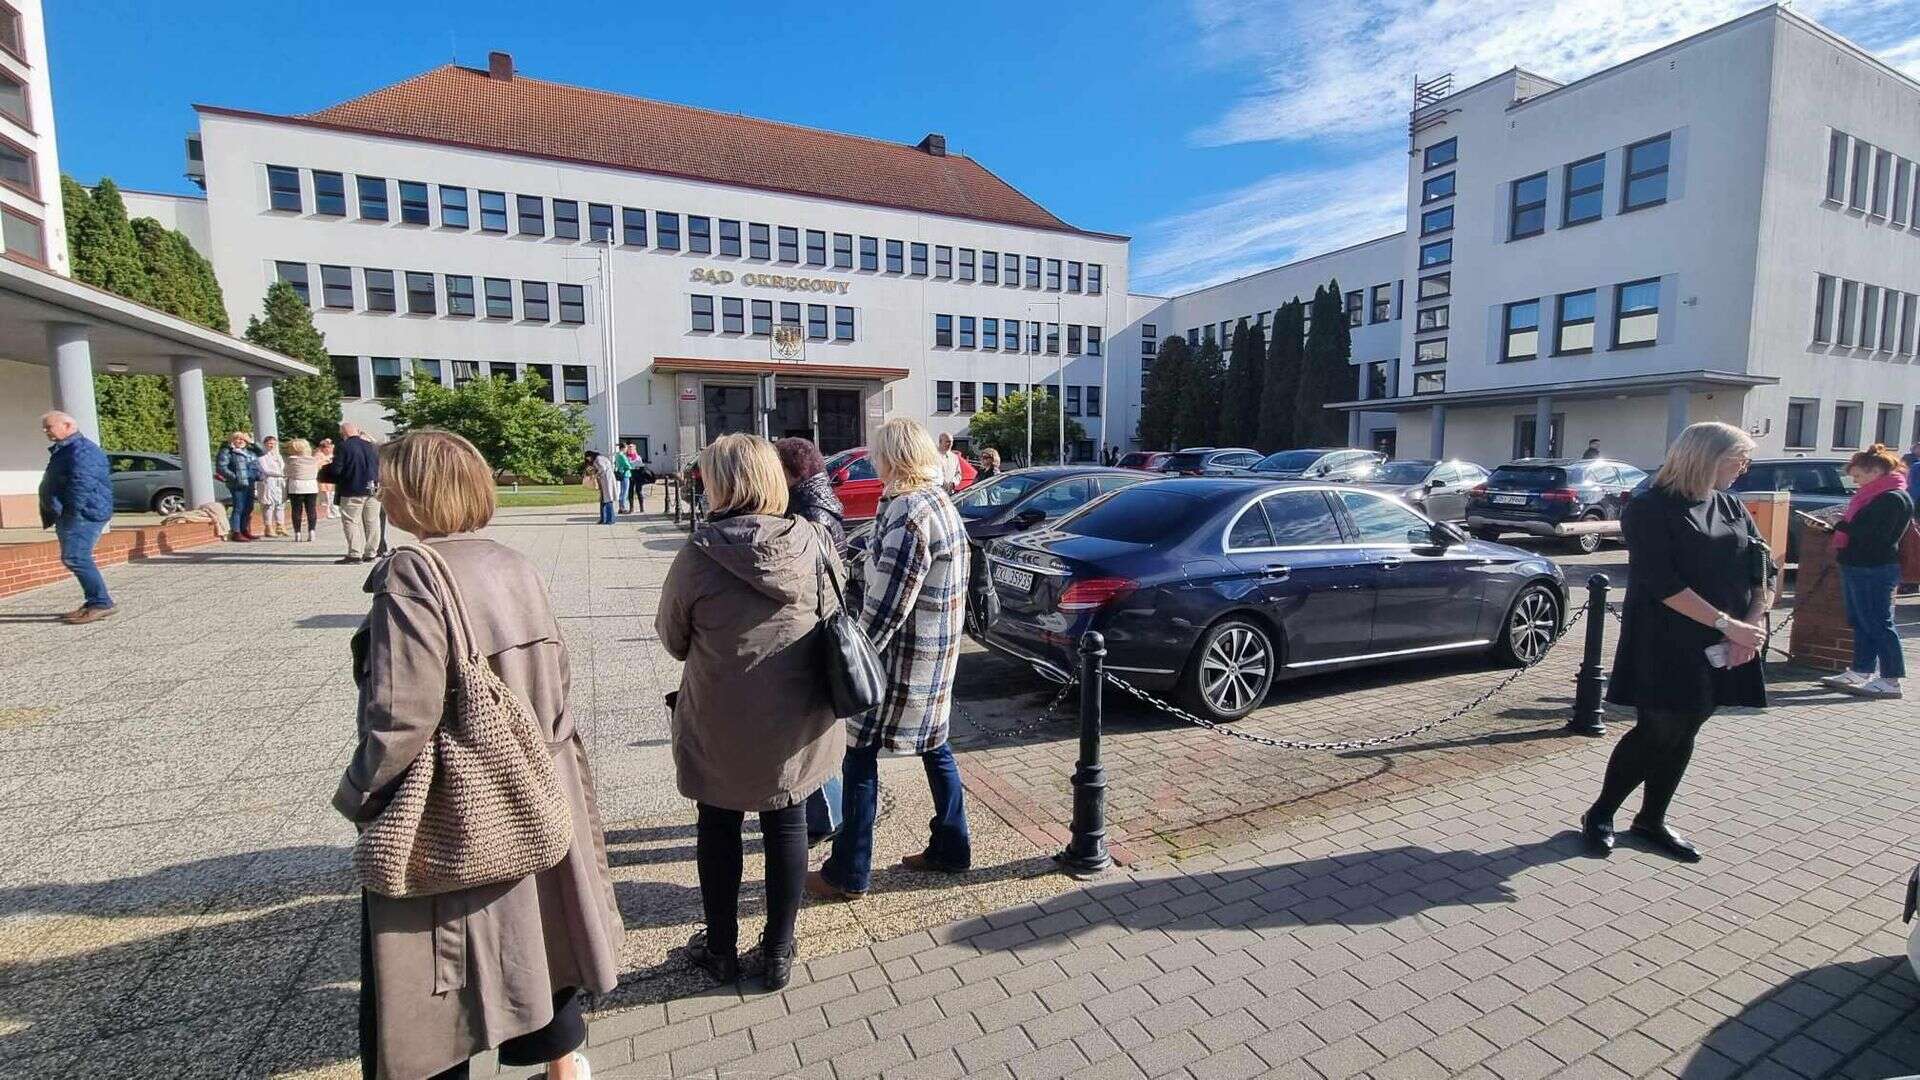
(1821, 636)
(29, 566)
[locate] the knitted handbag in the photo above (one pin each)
(481, 804)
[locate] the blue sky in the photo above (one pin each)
(1223, 135)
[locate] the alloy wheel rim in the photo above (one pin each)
(1235, 670)
(1531, 629)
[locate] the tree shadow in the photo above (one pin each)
(329, 622)
(1861, 1016)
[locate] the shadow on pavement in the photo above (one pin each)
(1867, 1010)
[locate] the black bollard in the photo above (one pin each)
(1591, 683)
(1086, 852)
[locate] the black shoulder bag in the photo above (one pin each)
(855, 681)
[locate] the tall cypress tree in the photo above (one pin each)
(1240, 408)
(1321, 372)
(306, 406)
(1198, 421)
(1160, 397)
(105, 251)
(1282, 382)
(74, 198)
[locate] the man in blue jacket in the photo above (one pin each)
(76, 501)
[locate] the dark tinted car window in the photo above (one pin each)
(1060, 498)
(1380, 521)
(1601, 474)
(861, 468)
(1134, 516)
(1288, 461)
(1184, 462)
(1301, 518)
(1250, 530)
(1528, 477)
(1630, 475)
(1406, 472)
(984, 500)
(1237, 461)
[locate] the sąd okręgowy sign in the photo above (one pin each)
(771, 281)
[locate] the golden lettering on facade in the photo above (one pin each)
(771, 281)
(713, 277)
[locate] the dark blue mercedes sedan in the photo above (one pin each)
(1217, 588)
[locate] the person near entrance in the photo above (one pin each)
(912, 610)
(1593, 449)
(598, 472)
(238, 468)
(76, 502)
(354, 472)
(1866, 542)
(949, 465)
(622, 479)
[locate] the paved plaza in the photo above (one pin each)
(175, 899)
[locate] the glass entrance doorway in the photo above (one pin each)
(729, 411)
(839, 412)
(792, 414)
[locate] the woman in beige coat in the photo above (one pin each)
(753, 725)
(445, 977)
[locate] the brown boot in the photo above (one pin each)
(86, 615)
(820, 888)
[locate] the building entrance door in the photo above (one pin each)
(839, 412)
(792, 414)
(729, 410)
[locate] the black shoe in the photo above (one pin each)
(1598, 833)
(1667, 841)
(351, 560)
(368, 558)
(776, 969)
(724, 967)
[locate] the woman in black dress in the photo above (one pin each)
(1699, 582)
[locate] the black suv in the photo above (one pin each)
(1811, 483)
(1561, 497)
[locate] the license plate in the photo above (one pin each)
(1017, 579)
(1510, 500)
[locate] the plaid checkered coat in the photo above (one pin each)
(915, 602)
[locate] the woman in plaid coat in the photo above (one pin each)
(913, 611)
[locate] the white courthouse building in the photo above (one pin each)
(467, 223)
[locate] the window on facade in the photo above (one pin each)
(532, 214)
(816, 248)
(1437, 253)
(967, 268)
(789, 244)
(1033, 337)
(573, 303)
(1353, 304)
(1636, 313)
(1442, 153)
(1093, 341)
(843, 251)
(1823, 297)
(702, 313)
(1869, 316)
(1435, 286)
(336, 287)
(1073, 339)
(1193, 338)
(373, 197)
(966, 332)
(573, 383)
(566, 219)
(1073, 401)
(789, 314)
(1033, 271)
(1573, 322)
(1837, 166)
(380, 296)
(1382, 305)
(283, 188)
(1437, 220)
(1886, 425)
(870, 253)
(452, 208)
(943, 330)
(1053, 339)
(346, 375)
(1902, 189)
(729, 236)
(1429, 382)
(1149, 343)
(1882, 174)
(990, 333)
(633, 226)
(989, 268)
(966, 396)
(1053, 275)
(1435, 188)
(762, 315)
(493, 212)
(414, 208)
(733, 315)
(1909, 308)
(533, 302)
(420, 294)
(1843, 322)
(1433, 318)
(843, 324)
(896, 257)
(1073, 277)
(943, 262)
(1802, 424)
(1094, 285)
(1430, 352)
(1846, 425)
(294, 274)
(1585, 181)
(388, 372)
(1527, 215)
(816, 322)
(1521, 340)
(1377, 381)
(1010, 270)
(1646, 179)
(426, 371)
(918, 265)
(666, 231)
(700, 235)
(989, 396)
(499, 293)
(464, 371)
(942, 396)
(329, 194)
(13, 98)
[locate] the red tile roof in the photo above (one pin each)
(467, 107)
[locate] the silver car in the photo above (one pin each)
(147, 481)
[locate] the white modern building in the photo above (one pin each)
(657, 263)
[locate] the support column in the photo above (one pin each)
(190, 414)
(1679, 401)
(1543, 426)
(260, 395)
(1437, 433)
(71, 360)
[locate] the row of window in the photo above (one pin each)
(1440, 188)
(424, 290)
(1004, 335)
(1873, 181)
(1363, 306)
(564, 382)
(1803, 424)
(1636, 322)
(755, 317)
(1081, 400)
(529, 215)
(1855, 315)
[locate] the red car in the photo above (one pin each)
(857, 484)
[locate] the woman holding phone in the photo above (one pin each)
(1867, 546)
(1699, 583)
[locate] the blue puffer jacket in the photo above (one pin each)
(76, 484)
(237, 468)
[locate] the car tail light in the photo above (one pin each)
(1087, 594)
(1479, 492)
(1559, 495)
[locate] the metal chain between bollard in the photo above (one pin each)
(1021, 730)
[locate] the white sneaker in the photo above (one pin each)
(1848, 679)
(582, 1066)
(1879, 688)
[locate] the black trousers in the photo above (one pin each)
(303, 504)
(1654, 753)
(565, 1033)
(717, 849)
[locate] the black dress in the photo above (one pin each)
(1712, 547)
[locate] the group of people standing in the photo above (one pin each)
(278, 483)
(621, 477)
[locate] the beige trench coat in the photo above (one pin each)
(458, 973)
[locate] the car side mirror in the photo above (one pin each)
(1435, 485)
(1027, 519)
(1436, 535)
(839, 477)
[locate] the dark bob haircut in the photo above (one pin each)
(799, 457)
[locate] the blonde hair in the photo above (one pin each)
(1694, 458)
(434, 483)
(298, 447)
(990, 457)
(742, 474)
(905, 457)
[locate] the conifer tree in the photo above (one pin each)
(1323, 371)
(1240, 408)
(1197, 421)
(105, 251)
(1282, 381)
(305, 406)
(1160, 396)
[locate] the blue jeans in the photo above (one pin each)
(1869, 595)
(850, 867)
(824, 809)
(242, 507)
(606, 513)
(77, 538)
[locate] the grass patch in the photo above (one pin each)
(549, 495)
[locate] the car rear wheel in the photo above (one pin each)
(170, 502)
(1531, 626)
(1232, 669)
(1587, 543)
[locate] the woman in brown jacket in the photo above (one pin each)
(447, 976)
(753, 726)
